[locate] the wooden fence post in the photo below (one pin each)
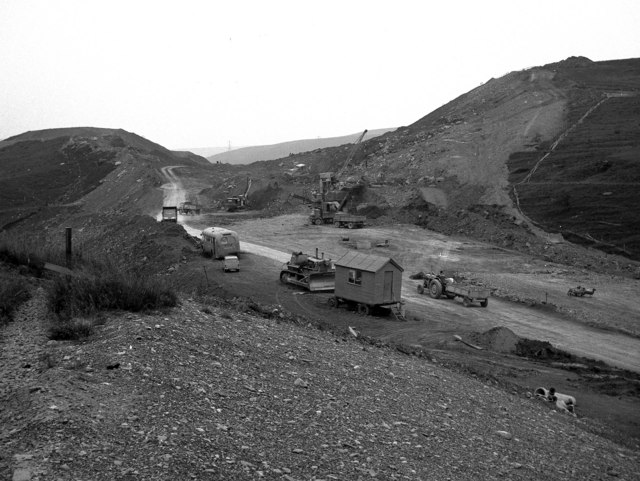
(68, 250)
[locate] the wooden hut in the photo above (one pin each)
(367, 281)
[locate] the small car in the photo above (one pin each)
(231, 264)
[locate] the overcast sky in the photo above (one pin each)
(209, 73)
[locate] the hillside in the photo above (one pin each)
(87, 169)
(215, 390)
(248, 155)
(469, 163)
(250, 378)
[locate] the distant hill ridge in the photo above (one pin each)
(248, 155)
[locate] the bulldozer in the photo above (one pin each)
(313, 273)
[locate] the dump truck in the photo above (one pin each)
(170, 214)
(438, 285)
(350, 221)
(330, 213)
(313, 273)
(189, 208)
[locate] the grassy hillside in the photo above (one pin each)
(57, 168)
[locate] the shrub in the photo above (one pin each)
(13, 292)
(79, 296)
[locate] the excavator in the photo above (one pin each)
(330, 211)
(240, 201)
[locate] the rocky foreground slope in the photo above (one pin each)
(213, 390)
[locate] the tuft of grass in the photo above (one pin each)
(70, 297)
(76, 301)
(31, 251)
(13, 292)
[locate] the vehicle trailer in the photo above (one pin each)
(218, 242)
(367, 283)
(438, 285)
(313, 273)
(350, 221)
(580, 291)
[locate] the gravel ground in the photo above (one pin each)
(205, 391)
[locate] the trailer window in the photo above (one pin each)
(355, 277)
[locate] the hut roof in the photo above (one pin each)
(365, 262)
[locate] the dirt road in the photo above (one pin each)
(173, 190)
(421, 250)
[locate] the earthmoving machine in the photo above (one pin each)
(189, 208)
(170, 214)
(313, 273)
(439, 285)
(239, 202)
(331, 211)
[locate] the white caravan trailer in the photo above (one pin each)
(218, 242)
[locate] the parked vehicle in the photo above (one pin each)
(580, 291)
(438, 285)
(231, 264)
(367, 282)
(218, 242)
(313, 273)
(170, 214)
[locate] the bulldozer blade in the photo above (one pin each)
(321, 283)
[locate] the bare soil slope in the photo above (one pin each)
(580, 116)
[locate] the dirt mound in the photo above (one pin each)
(498, 339)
